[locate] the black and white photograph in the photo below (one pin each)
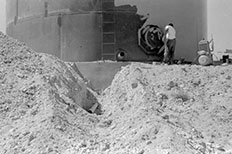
(115, 77)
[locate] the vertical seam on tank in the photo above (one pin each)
(17, 12)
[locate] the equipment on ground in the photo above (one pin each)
(205, 56)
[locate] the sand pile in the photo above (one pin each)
(148, 109)
(41, 101)
(155, 109)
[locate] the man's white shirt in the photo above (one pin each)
(171, 34)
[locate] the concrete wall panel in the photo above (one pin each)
(38, 8)
(100, 74)
(74, 5)
(42, 35)
(28, 8)
(11, 6)
(68, 29)
(81, 37)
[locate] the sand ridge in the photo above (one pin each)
(148, 108)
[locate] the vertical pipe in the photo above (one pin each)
(59, 22)
(101, 29)
(62, 42)
(16, 12)
(45, 9)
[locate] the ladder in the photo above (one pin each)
(108, 30)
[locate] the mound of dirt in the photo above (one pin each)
(42, 102)
(148, 109)
(156, 109)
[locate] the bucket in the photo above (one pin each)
(225, 58)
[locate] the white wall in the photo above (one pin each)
(3, 15)
(220, 23)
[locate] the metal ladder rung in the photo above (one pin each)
(108, 54)
(110, 43)
(108, 33)
(108, 37)
(109, 22)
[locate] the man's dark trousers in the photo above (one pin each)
(169, 51)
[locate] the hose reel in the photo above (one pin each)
(150, 40)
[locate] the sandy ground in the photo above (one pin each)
(41, 101)
(175, 109)
(148, 109)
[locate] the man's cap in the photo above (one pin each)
(171, 24)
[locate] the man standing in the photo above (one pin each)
(170, 43)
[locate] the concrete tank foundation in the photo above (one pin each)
(100, 74)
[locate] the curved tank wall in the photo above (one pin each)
(188, 16)
(89, 30)
(65, 28)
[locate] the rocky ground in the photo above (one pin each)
(41, 102)
(148, 109)
(154, 109)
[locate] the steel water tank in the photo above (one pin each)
(69, 29)
(188, 16)
(88, 30)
